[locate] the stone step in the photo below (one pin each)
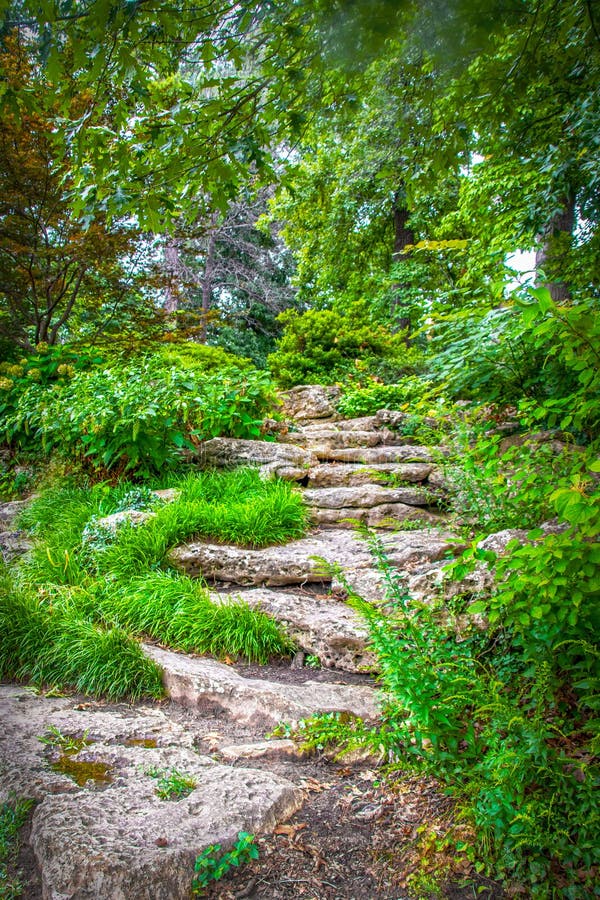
(364, 496)
(405, 453)
(310, 401)
(282, 460)
(353, 474)
(212, 687)
(339, 439)
(295, 563)
(119, 839)
(386, 515)
(325, 627)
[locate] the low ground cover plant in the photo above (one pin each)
(211, 864)
(171, 784)
(72, 612)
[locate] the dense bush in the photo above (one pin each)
(323, 346)
(369, 396)
(136, 416)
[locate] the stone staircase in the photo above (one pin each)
(114, 838)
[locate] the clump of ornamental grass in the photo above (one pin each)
(75, 607)
(177, 611)
(47, 640)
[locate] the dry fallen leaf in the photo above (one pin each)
(290, 830)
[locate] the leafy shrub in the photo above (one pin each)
(138, 416)
(367, 399)
(491, 489)
(507, 717)
(322, 346)
(196, 359)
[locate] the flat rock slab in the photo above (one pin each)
(354, 474)
(364, 496)
(325, 628)
(295, 563)
(210, 686)
(336, 438)
(282, 460)
(372, 455)
(119, 840)
(387, 515)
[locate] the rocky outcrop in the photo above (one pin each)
(207, 685)
(116, 838)
(310, 401)
(10, 511)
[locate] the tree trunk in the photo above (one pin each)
(173, 270)
(207, 283)
(553, 246)
(404, 237)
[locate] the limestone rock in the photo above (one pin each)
(10, 511)
(386, 515)
(13, 544)
(295, 563)
(282, 460)
(353, 474)
(372, 455)
(364, 496)
(206, 685)
(260, 750)
(119, 840)
(112, 523)
(326, 628)
(340, 439)
(310, 401)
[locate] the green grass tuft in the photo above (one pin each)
(178, 612)
(72, 611)
(54, 644)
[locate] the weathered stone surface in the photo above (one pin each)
(438, 479)
(352, 474)
(362, 423)
(295, 563)
(260, 750)
(310, 401)
(13, 544)
(339, 439)
(120, 840)
(206, 685)
(498, 542)
(9, 512)
(326, 628)
(386, 515)
(373, 455)
(364, 496)
(283, 460)
(112, 523)
(287, 564)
